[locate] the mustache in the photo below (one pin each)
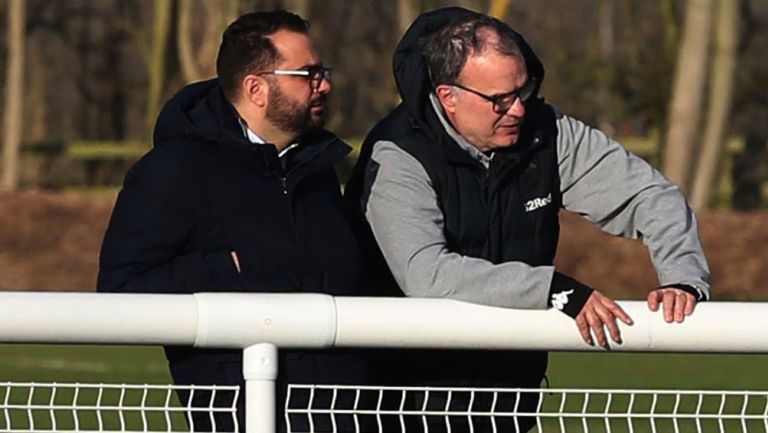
(320, 100)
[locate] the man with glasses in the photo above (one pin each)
(239, 194)
(461, 186)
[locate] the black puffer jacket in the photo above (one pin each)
(203, 191)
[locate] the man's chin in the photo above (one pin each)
(316, 121)
(502, 144)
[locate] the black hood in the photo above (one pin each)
(410, 67)
(198, 111)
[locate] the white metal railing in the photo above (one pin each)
(425, 409)
(100, 407)
(260, 323)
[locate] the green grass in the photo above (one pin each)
(146, 364)
(70, 363)
(654, 370)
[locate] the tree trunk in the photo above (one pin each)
(687, 93)
(197, 53)
(607, 12)
(156, 59)
(14, 85)
(36, 125)
(720, 97)
(670, 26)
(184, 43)
(406, 14)
(499, 9)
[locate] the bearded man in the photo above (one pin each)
(239, 194)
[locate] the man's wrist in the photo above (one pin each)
(568, 295)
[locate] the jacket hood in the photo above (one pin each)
(198, 111)
(410, 67)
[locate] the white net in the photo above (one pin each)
(58, 407)
(53, 407)
(320, 408)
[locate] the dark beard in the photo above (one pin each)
(290, 116)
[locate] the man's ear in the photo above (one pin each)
(447, 97)
(255, 89)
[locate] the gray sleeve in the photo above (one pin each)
(407, 222)
(623, 195)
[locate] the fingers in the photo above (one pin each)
(691, 305)
(581, 323)
(677, 303)
(653, 300)
(597, 328)
(597, 314)
(619, 312)
(668, 298)
(235, 260)
(681, 302)
(609, 320)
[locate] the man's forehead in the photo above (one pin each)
(493, 67)
(294, 48)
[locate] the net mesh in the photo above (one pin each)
(316, 408)
(49, 407)
(57, 407)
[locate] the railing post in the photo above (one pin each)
(260, 372)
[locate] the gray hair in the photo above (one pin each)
(446, 51)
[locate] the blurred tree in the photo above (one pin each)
(670, 25)
(499, 8)
(197, 52)
(406, 13)
(300, 7)
(720, 96)
(361, 56)
(14, 99)
(478, 5)
(609, 62)
(607, 51)
(156, 58)
(688, 93)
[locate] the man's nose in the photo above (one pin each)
(517, 109)
(325, 86)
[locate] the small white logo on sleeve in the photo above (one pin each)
(532, 205)
(560, 299)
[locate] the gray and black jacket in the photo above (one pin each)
(454, 223)
(598, 179)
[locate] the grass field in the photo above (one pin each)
(145, 364)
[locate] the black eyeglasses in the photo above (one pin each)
(314, 74)
(503, 101)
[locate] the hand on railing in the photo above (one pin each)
(599, 312)
(677, 303)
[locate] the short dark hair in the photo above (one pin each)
(446, 50)
(246, 46)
